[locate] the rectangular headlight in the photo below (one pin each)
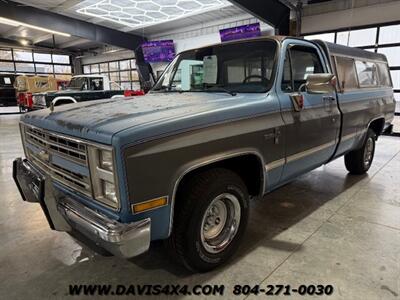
(106, 160)
(101, 163)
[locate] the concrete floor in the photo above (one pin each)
(327, 227)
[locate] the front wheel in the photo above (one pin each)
(210, 219)
(359, 161)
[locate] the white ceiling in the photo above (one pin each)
(139, 13)
(71, 7)
(174, 22)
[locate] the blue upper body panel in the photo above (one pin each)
(144, 117)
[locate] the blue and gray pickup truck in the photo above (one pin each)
(223, 125)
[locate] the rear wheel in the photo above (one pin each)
(359, 161)
(210, 219)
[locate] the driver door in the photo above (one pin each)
(312, 132)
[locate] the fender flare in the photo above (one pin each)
(208, 162)
(55, 100)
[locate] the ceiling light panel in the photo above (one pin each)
(142, 13)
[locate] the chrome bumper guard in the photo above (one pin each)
(123, 240)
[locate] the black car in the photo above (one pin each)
(81, 88)
(8, 95)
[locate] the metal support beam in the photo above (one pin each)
(272, 12)
(78, 28)
(42, 38)
(15, 31)
(72, 43)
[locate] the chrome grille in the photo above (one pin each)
(61, 146)
(68, 148)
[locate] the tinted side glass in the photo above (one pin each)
(96, 84)
(384, 75)
(367, 73)
(346, 73)
(305, 61)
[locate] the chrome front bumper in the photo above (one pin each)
(123, 240)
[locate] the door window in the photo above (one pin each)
(96, 84)
(300, 62)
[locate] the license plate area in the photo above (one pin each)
(30, 181)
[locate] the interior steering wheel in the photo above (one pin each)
(263, 79)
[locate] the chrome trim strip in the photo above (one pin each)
(297, 156)
(275, 164)
(309, 152)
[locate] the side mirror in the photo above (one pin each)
(320, 83)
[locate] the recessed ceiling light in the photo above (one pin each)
(142, 13)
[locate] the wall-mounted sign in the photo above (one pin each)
(240, 32)
(159, 51)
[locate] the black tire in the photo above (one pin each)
(359, 161)
(194, 204)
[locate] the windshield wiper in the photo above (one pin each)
(220, 89)
(166, 88)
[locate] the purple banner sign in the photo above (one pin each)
(158, 51)
(240, 32)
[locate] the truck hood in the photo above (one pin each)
(100, 120)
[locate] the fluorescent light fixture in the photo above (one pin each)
(111, 51)
(18, 23)
(24, 42)
(139, 13)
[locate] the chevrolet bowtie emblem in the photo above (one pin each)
(44, 156)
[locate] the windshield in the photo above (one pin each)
(240, 68)
(78, 83)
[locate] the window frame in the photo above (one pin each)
(35, 62)
(115, 72)
(288, 54)
(340, 88)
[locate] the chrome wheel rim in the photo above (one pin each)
(220, 223)
(368, 152)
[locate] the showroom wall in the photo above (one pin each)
(120, 66)
(381, 37)
(194, 36)
(347, 14)
(34, 62)
(204, 34)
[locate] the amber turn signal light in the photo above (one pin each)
(141, 207)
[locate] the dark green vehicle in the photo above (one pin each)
(81, 88)
(7, 91)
